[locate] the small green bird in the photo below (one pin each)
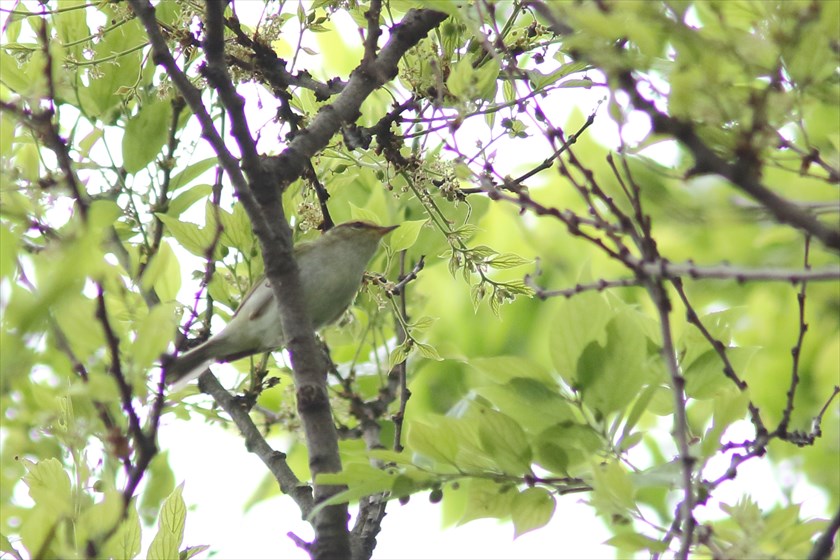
(331, 269)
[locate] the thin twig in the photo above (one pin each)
(796, 351)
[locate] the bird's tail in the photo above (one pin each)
(189, 365)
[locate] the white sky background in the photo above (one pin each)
(221, 475)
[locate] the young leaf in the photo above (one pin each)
(170, 527)
(505, 441)
(145, 135)
(532, 509)
(404, 236)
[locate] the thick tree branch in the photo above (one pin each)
(260, 195)
(260, 198)
(218, 77)
(273, 68)
(162, 56)
(364, 81)
(309, 368)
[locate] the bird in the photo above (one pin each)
(331, 269)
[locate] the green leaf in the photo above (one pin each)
(540, 80)
(155, 332)
(27, 159)
(505, 441)
(482, 251)
(159, 484)
(432, 442)
(125, 542)
(508, 91)
(485, 79)
(460, 78)
(192, 551)
(507, 260)
(183, 201)
(8, 132)
(49, 485)
(86, 143)
(613, 491)
(532, 509)
(163, 274)
(704, 378)
(8, 245)
(609, 376)
(363, 214)
(398, 355)
(639, 407)
(534, 405)
(70, 24)
(192, 172)
(578, 321)
(103, 214)
(170, 533)
(477, 292)
(145, 135)
(428, 351)
(665, 475)
(266, 488)
(6, 546)
(423, 323)
(14, 76)
(406, 235)
(487, 499)
(37, 528)
(630, 441)
(236, 228)
(635, 542)
(728, 408)
(72, 312)
(191, 237)
(101, 99)
(565, 446)
(101, 518)
(13, 22)
(501, 369)
(361, 480)
(584, 83)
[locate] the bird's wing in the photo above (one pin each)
(257, 301)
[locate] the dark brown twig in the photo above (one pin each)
(796, 351)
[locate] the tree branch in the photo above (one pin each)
(664, 269)
(707, 161)
(260, 195)
(364, 80)
(256, 443)
(825, 544)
